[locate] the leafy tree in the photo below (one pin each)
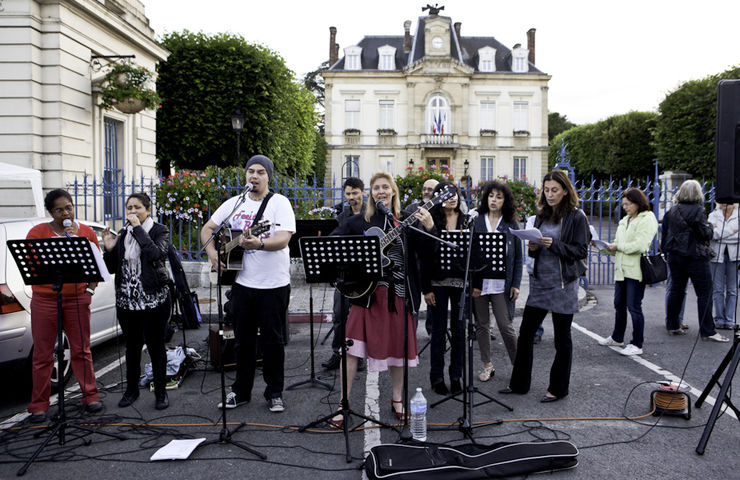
(205, 79)
(557, 124)
(618, 147)
(687, 126)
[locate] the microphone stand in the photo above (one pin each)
(225, 435)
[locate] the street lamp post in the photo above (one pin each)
(237, 123)
(411, 163)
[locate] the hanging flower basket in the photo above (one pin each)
(129, 89)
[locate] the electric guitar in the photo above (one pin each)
(232, 255)
(357, 289)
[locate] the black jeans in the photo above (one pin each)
(267, 310)
(680, 269)
(439, 314)
(140, 327)
(521, 375)
(628, 294)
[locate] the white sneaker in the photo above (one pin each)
(610, 342)
(631, 350)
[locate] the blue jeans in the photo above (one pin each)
(439, 312)
(628, 295)
(681, 269)
(724, 293)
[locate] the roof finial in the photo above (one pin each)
(433, 10)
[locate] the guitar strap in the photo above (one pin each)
(261, 210)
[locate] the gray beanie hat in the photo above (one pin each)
(264, 161)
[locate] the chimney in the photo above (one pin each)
(407, 36)
(530, 44)
(457, 31)
(333, 47)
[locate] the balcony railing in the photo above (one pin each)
(445, 139)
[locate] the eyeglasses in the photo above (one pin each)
(59, 211)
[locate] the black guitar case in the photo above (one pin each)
(425, 461)
(185, 298)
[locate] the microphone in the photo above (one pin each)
(383, 209)
(67, 223)
(248, 188)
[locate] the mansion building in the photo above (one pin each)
(436, 98)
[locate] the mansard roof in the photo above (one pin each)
(464, 51)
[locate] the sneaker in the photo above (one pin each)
(537, 339)
(38, 417)
(275, 404)
(631, 350)
(232, 401)
(610, 342)
(716, 338)
(487, 372)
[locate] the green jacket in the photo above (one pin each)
(631, 242)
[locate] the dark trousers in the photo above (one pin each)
(681, 269)
(439, 313)
(339, 319)
(140, 327)
(267, 310)
(628, 295)
(521, 375)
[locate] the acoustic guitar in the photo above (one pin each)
(356, 289)
(232, 255)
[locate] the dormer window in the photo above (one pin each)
(386, 58)
(519, 63)
(487, 59)
(352, 58)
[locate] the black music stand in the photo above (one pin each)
(58, 261)
(485, 255)
(327, 259)
(310, 228)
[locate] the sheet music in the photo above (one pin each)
(176, 450)
(529, 234)
(100, 262)
(600, 244)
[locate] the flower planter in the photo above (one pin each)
(132, 105)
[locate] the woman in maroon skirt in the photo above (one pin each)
(375, 323)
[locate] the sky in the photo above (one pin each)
(605, 58)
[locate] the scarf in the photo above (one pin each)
(132, 250)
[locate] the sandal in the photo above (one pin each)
(399, 415)
(487, 373)
(337, 421)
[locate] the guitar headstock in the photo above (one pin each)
(446, 193)
(260, 227)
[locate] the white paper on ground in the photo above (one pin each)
(176, 450)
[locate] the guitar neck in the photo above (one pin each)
(393, 234)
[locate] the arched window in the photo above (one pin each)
(351, 167)
(438, 115)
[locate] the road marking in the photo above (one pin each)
(671, 377)
(372, 409)
(19, 417)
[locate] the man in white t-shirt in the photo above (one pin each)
(261, 292)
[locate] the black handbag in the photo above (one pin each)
(654, 268)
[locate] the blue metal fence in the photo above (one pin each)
(599, 200)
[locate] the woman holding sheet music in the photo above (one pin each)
(634, 235)
(558, 263)
(375, 324)
(137, 256)
(442, 290)
(497, 213)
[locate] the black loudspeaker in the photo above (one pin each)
(728, 141)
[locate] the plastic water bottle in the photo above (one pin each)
(419, 416)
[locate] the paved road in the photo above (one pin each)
(605, 387)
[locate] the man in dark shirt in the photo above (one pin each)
(353, 205)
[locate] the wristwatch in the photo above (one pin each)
(262, 245)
